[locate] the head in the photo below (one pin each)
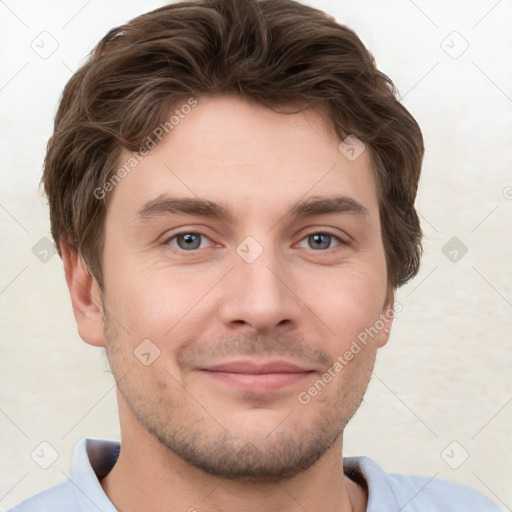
(209, 219)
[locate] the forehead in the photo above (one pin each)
(229, 150)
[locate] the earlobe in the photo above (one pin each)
(85, 297)
(387, 315)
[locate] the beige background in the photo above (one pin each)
(445, 376)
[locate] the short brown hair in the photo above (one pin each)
(273, 52)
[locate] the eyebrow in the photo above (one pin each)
(164, 205)
(318, 205)
(315, 205)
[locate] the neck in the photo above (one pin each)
(147, 478)
(147, 475)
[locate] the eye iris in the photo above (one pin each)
(191, 241)
(321, 241)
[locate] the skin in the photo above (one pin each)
(190, 438)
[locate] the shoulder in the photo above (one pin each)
(414, 493)
(59, 498)
(81, 491)
(418, 493)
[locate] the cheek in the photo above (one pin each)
(157, 302)
(347, 301)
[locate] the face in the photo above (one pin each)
(246, 251)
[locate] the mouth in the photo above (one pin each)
(255, 377)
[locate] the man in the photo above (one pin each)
(231, 188)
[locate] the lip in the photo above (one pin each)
(255, 368)
(256, 377)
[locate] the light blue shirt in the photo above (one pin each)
(94, 458)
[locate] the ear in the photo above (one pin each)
(387, 315)
(85, 297)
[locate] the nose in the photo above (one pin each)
(260, 295)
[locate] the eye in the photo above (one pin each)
(319, 241)
(189, 241)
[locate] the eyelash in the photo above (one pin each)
(322, 232)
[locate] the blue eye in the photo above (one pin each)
(191, 241)
(187, 241)
(319, 241)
